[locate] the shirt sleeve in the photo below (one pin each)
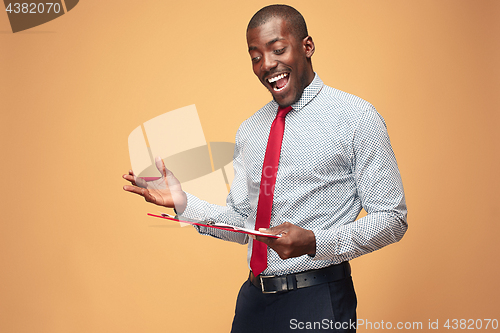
(380, 190)
(234, 213)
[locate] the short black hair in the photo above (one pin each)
(296, 23)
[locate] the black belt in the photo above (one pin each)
(272, 284)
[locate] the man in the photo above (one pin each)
(333, 158)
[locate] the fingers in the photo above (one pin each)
(281, 229)
(277, 230)
(166, 173)
(265, 240)
(137, 181)
(132, 174)
(140, 187)
(134, 189)
(143, 192)
(295, 241)
(160, 165)
(141, 182)
(130, 177)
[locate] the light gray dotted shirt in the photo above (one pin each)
(336, 158)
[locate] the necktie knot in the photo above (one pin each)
(282, 112)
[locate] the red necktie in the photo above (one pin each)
(258, 261)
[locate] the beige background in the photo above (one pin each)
(78, 254)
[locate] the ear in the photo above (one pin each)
(308, 45)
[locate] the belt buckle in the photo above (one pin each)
(262, 284)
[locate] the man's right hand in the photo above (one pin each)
(165, 191)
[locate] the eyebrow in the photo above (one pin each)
(251, 48)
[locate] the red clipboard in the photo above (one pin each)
(220, 226)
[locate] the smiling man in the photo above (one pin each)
(305, 165)
(281, 53)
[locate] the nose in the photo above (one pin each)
(268, 63)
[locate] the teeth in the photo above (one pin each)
(276, 78)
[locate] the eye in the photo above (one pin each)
(280, 51)
(256, 59)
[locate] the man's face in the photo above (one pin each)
(280, 60)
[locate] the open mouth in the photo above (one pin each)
(278, 82)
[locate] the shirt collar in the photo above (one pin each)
(311, 91)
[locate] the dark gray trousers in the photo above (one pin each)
(328, 307)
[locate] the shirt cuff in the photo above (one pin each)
(324, 245)
(195, 208)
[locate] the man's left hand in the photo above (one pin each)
(294, 241)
